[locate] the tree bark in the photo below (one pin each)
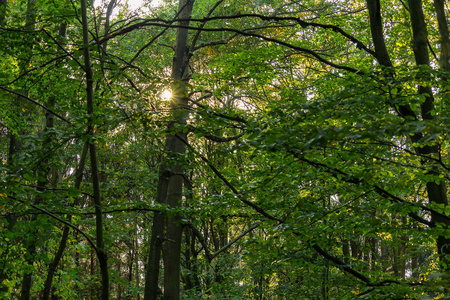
(101, 251)
(156, 240)
(170, 182)
(3, 4)
(382, 55)
(443, 32)
(172, 257)
(62, 244)
(437, 191)
(31, 247)
(376, 28)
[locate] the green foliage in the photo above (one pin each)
(316, 155)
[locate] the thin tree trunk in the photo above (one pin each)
(190, 254)
(443, 32)
(3, 4)
(374, 256)
(53, 265)
(415, 260)
(356, 249)
(136, 262)
(156, 240)
(346, 251)
(325, 275)
(101, 251)
(188, 236)
(31, 247)
(10, 218)
(62, 244)
(78, 180)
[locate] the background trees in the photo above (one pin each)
(302, 155)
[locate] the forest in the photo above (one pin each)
(224, 149)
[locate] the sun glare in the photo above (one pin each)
(166, 95)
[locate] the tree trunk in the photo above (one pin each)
(177, 147)
(170, 185)
(443, 32)
(346, 251)
(101, 251)
(62, 244)
(10, 218)
(78, 180)
(376, 28)
(437, 192)
(3, 4)
(136, 262)
(31, 247)
(156, 240)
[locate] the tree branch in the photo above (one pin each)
(57, 218)
(379, 190)
(37, 103)
(229, 185)
(251, 228)
(316, 247)
(241, 32)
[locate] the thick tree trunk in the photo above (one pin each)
(172, 257)
(376, 28)
(437, 192)
(382, 55)
(170, 185)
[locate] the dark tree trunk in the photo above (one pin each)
(437, 192)
(101, 251)
(62, 244)
(177, 148)
(154, 257)
(31, 243)
(443, 32)
(376, 28)
(3, 4)
(170, 185)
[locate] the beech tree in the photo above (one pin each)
(224, 149)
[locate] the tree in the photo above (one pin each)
(170, 182)
(303, 153)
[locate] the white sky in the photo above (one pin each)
(132, 4)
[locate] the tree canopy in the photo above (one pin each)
(266, 149)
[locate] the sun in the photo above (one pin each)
(166, 95)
